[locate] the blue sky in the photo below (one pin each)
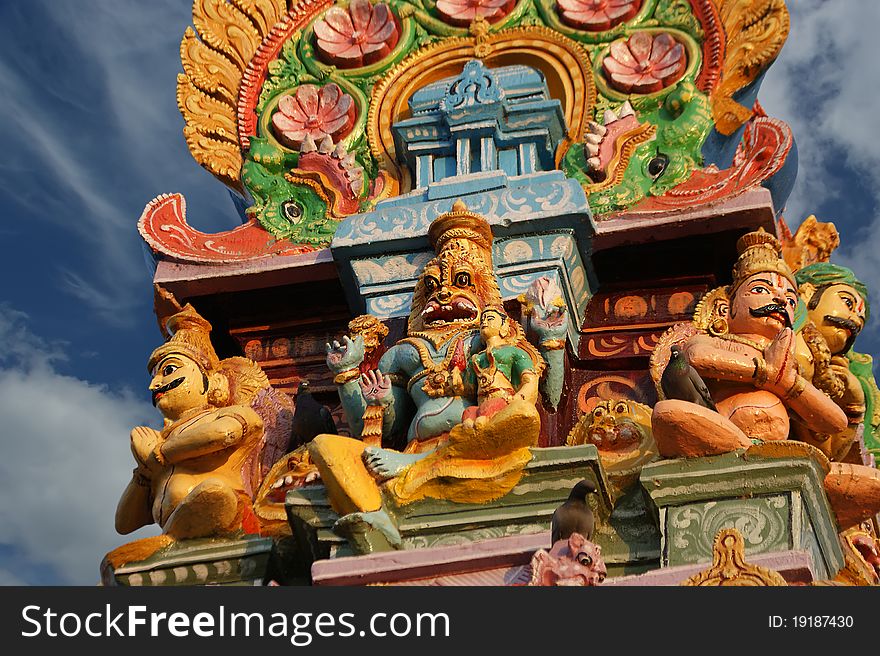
(91, 133)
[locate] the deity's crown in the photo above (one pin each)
(460, 223)
(190, 336)
(498, 308)
(759, 252)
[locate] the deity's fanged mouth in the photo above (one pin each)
(157, 393)
(774, 310)
(459, 310)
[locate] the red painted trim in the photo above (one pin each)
(256, 71)
(762, 153)
(714, 44)
(163, 226)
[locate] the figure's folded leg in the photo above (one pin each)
(687, 430)
(853, 492)
(350, 487)
(211, 508)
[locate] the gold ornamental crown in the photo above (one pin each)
(460, 223)
(759, 252)
(190, 336)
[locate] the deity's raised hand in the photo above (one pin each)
(345, 356)
(376, 387)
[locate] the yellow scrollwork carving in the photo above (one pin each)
(226, 29)
(221, 158)
(203, 113)
(214, 57)
(729, 567)
(755, 31)
(207, 69)
(263, 13)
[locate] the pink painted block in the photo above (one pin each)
(492, 559)
(794, 566)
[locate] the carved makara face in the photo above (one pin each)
(178, 385)
(839, 314)
(763, 305)
(453, 289)
(614, 426)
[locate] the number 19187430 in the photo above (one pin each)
(811, 622)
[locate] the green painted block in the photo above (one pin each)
(211, 561)
(629, 538)
(764, 522)
(777, 504)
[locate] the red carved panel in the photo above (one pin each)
(714, 44)
(761, 154)
(619, 344)
(291, 351)
(645, 308)
(163, 226)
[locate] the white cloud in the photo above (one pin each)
(826, 86)
(67, 458)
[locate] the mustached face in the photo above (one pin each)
(452, 291)
(178, 385)
(763, 305)
(839, 314)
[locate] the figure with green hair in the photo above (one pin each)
(835, 310)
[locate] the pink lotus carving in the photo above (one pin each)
(463, 12)
(314, 112)
(596, 15)
(644, 63)
(360, 35)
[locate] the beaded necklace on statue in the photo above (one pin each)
(438, 375)
(742, 340)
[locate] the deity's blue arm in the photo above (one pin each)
(545, 315)
(397, 363)
(354, 404)
(551, 336)
(345, 359)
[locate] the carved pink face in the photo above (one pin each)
(574, 562)
(763, 305)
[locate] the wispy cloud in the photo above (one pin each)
(70, 460)
(826, 85)
(91, 120)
